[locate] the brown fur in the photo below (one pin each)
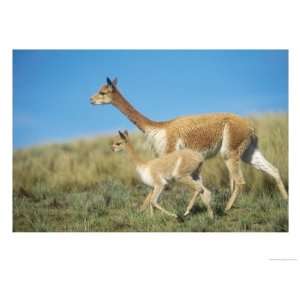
(206, 132)
(209, 134)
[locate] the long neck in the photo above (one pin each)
(131, 113)
(133, 155)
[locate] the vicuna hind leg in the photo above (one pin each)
(236, 175)
(254, 157)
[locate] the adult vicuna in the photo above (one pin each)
(210, 134)
(180, 164)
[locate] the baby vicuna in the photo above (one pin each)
(181, 164)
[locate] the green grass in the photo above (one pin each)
(83, 186)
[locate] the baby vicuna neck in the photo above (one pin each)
(133, 155)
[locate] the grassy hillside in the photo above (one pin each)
(84, 186)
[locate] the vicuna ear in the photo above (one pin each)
(108, 81)
(126, 133)
(122, 135)
(115, 81)
(112, 83)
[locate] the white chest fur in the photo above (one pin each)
(145, 175)
(157, 138)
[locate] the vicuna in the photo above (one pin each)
(210, 134)
(181, 164)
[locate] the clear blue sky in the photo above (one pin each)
(51, 89)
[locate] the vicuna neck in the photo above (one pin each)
(131, 113)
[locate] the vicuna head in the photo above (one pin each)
(122, 143)
(105, 94)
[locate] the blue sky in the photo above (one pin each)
(51, 89)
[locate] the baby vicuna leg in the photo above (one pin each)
(197, 184)
(146, 202)
(154, 199)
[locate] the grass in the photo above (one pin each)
(82, 186)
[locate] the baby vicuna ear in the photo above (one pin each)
(123, 135)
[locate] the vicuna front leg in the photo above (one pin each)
(236, 176)
(154, 199)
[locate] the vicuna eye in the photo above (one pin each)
(118, 144)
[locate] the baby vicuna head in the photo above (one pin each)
(120, 145)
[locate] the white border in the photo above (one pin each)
(148, 266)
